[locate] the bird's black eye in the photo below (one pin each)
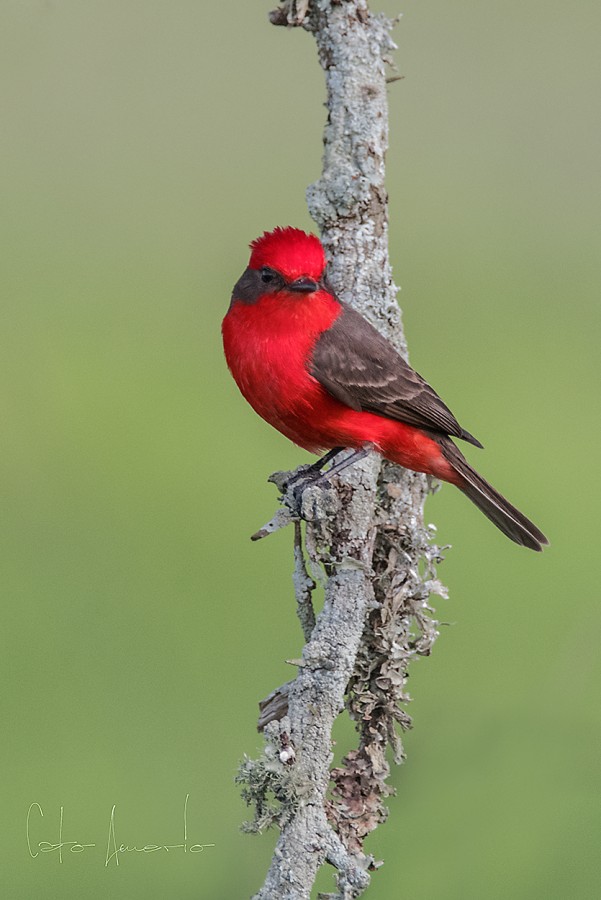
(268, 276)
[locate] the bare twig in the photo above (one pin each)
(303, 586)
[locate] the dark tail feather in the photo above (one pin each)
(500, 511)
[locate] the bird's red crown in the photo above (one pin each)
(289, 251)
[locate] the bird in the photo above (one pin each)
(316, 370)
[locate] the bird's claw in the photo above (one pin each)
(312, 498)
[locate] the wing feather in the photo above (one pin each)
(359, 367)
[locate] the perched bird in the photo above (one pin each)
(316, 370)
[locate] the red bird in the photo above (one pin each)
(317, 371)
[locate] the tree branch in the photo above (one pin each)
(367, 535)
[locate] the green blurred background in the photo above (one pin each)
(144, 144)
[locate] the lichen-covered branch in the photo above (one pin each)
(366, 533)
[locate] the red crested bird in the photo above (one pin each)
(317, 371)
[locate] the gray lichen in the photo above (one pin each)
(269, 783)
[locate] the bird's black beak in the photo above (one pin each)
(303, 285)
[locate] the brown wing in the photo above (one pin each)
(359, 367)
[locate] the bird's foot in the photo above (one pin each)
(311, 497)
